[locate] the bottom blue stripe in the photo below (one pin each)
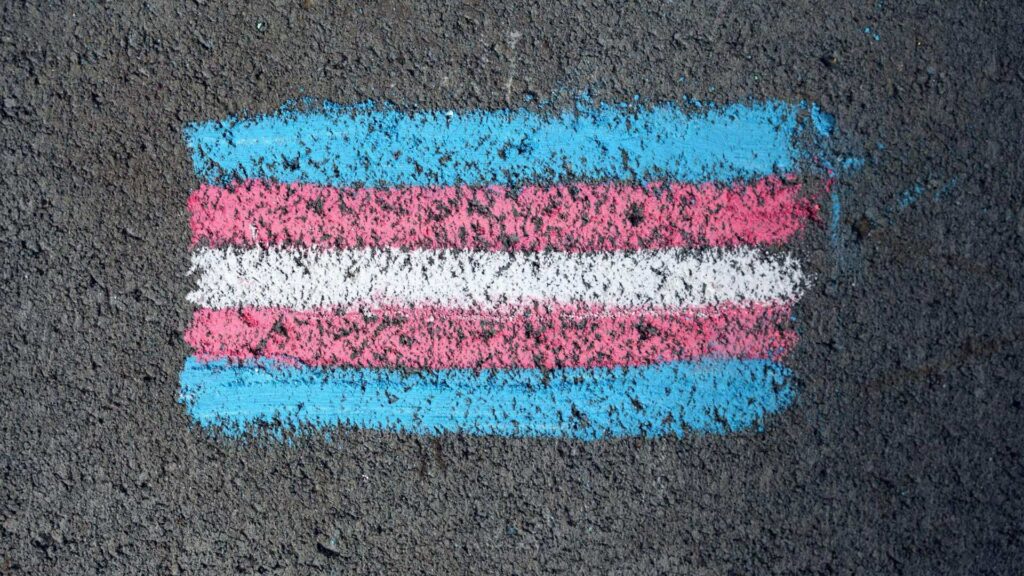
(714, 396)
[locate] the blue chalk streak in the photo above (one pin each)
(835, 236)
(823, 122)
(713, 396)
(911, 196)
(853, 164)
(379, 146)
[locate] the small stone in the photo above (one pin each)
(991, 68)
(863, 227)
(328, 547)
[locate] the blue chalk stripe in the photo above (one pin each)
(380, 146)
(713, 396)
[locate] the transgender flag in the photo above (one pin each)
(606, 271)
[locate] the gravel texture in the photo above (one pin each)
(901, 455)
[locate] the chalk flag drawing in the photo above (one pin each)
(604, 271)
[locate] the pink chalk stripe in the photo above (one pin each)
(573, 218)
(535, 336)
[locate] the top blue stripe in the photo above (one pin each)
(366, 145)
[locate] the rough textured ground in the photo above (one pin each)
(903, 454)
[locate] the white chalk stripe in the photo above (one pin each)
(302, 279)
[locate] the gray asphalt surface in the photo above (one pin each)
(902, 455)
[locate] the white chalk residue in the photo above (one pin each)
(304, 279)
